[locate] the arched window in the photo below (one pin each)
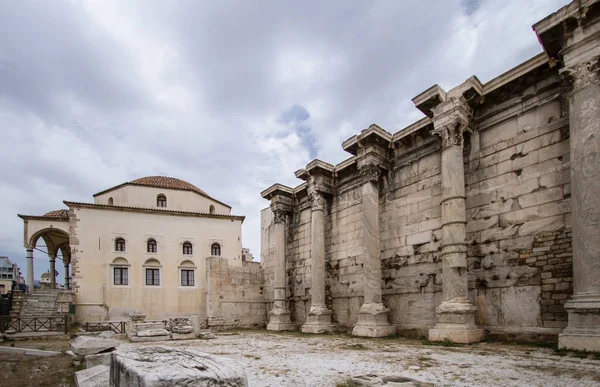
(187, 271)
(215, 249)
(161, 201)
(119, 244)
(110, 201)
(187, 248)
(211, 209)
(152, 248)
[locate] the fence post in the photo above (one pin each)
(1, 323)
(66, 324)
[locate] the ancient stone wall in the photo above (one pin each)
(516, 168)
(235, 295)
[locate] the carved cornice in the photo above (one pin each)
(578, 76)
(370, 172)
(451, 132)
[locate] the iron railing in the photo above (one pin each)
(34, 324)
(115, 326)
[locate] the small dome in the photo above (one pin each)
(57, 214)
(166, 182)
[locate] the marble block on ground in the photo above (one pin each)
(183, 336)
(89, 345)
(137, 339)
(98, 359)
(164, 366)
(93, 377)
(152, 332)
(388, 381)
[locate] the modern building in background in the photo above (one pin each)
(139, 247)
(9, 275)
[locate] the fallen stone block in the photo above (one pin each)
(98, 359)
(152, 332)
(148, 325)
(157, 365)
(372, 380)
(98, 376)
(107, 334)
(182, 329)
(183, 336)
(206, 335)
(137, 339)
(89, 345)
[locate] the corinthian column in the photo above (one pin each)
(279, 317)
(373, 315)
(319, 317)
(583, 330)
(456, 313)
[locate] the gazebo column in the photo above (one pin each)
(52, 271)
(583, 330)
(281, 206)
(29, 258)
(319, 176)
(67, 284)
(456, 313)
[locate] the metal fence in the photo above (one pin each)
(6, 304)
(34, 324)
(115, 326)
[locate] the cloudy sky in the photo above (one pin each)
(231, 96)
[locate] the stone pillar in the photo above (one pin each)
(319, 317)
(52, 271)
(583, 330)
(456, 313)
(67, 284)
(30, 269)
(279, 317)
(373, 315)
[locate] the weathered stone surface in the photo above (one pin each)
(206, 335)
(147, 339)
(372, 380)
(89, 345)
(98, 359)
(107, 334)
(183, 336)
(152, 332)
(162, 366)
(97, 376)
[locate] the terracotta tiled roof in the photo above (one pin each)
(164, 182)
(57, 214)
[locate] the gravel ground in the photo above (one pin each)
(294, 359)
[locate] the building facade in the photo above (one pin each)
(140, 247)
(9, 275)
(481, 218)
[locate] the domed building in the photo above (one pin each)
(140, 247)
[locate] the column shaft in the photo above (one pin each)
(67, 284)
(583, 330)
(30, 270)
(319, 317)
(279, 317)
(456, 313)
(52, 271)
(373, 315)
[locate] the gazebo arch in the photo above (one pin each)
(53, 229)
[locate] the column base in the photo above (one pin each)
(456, 323)
(461, 335)
(583, 331)
(279, 320)
(318, 321)
(373, 322)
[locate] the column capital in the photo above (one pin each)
(580, 75)
(317, 200)
(451, 129)
(279, 215)
(370, 172)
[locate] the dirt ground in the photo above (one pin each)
(56, 371)
(296, 359)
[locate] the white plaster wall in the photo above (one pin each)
(138, 196)
(33, 226)
(94, 234)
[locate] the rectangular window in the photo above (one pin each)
(187, 277)
(153, 277)
(121, 275)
